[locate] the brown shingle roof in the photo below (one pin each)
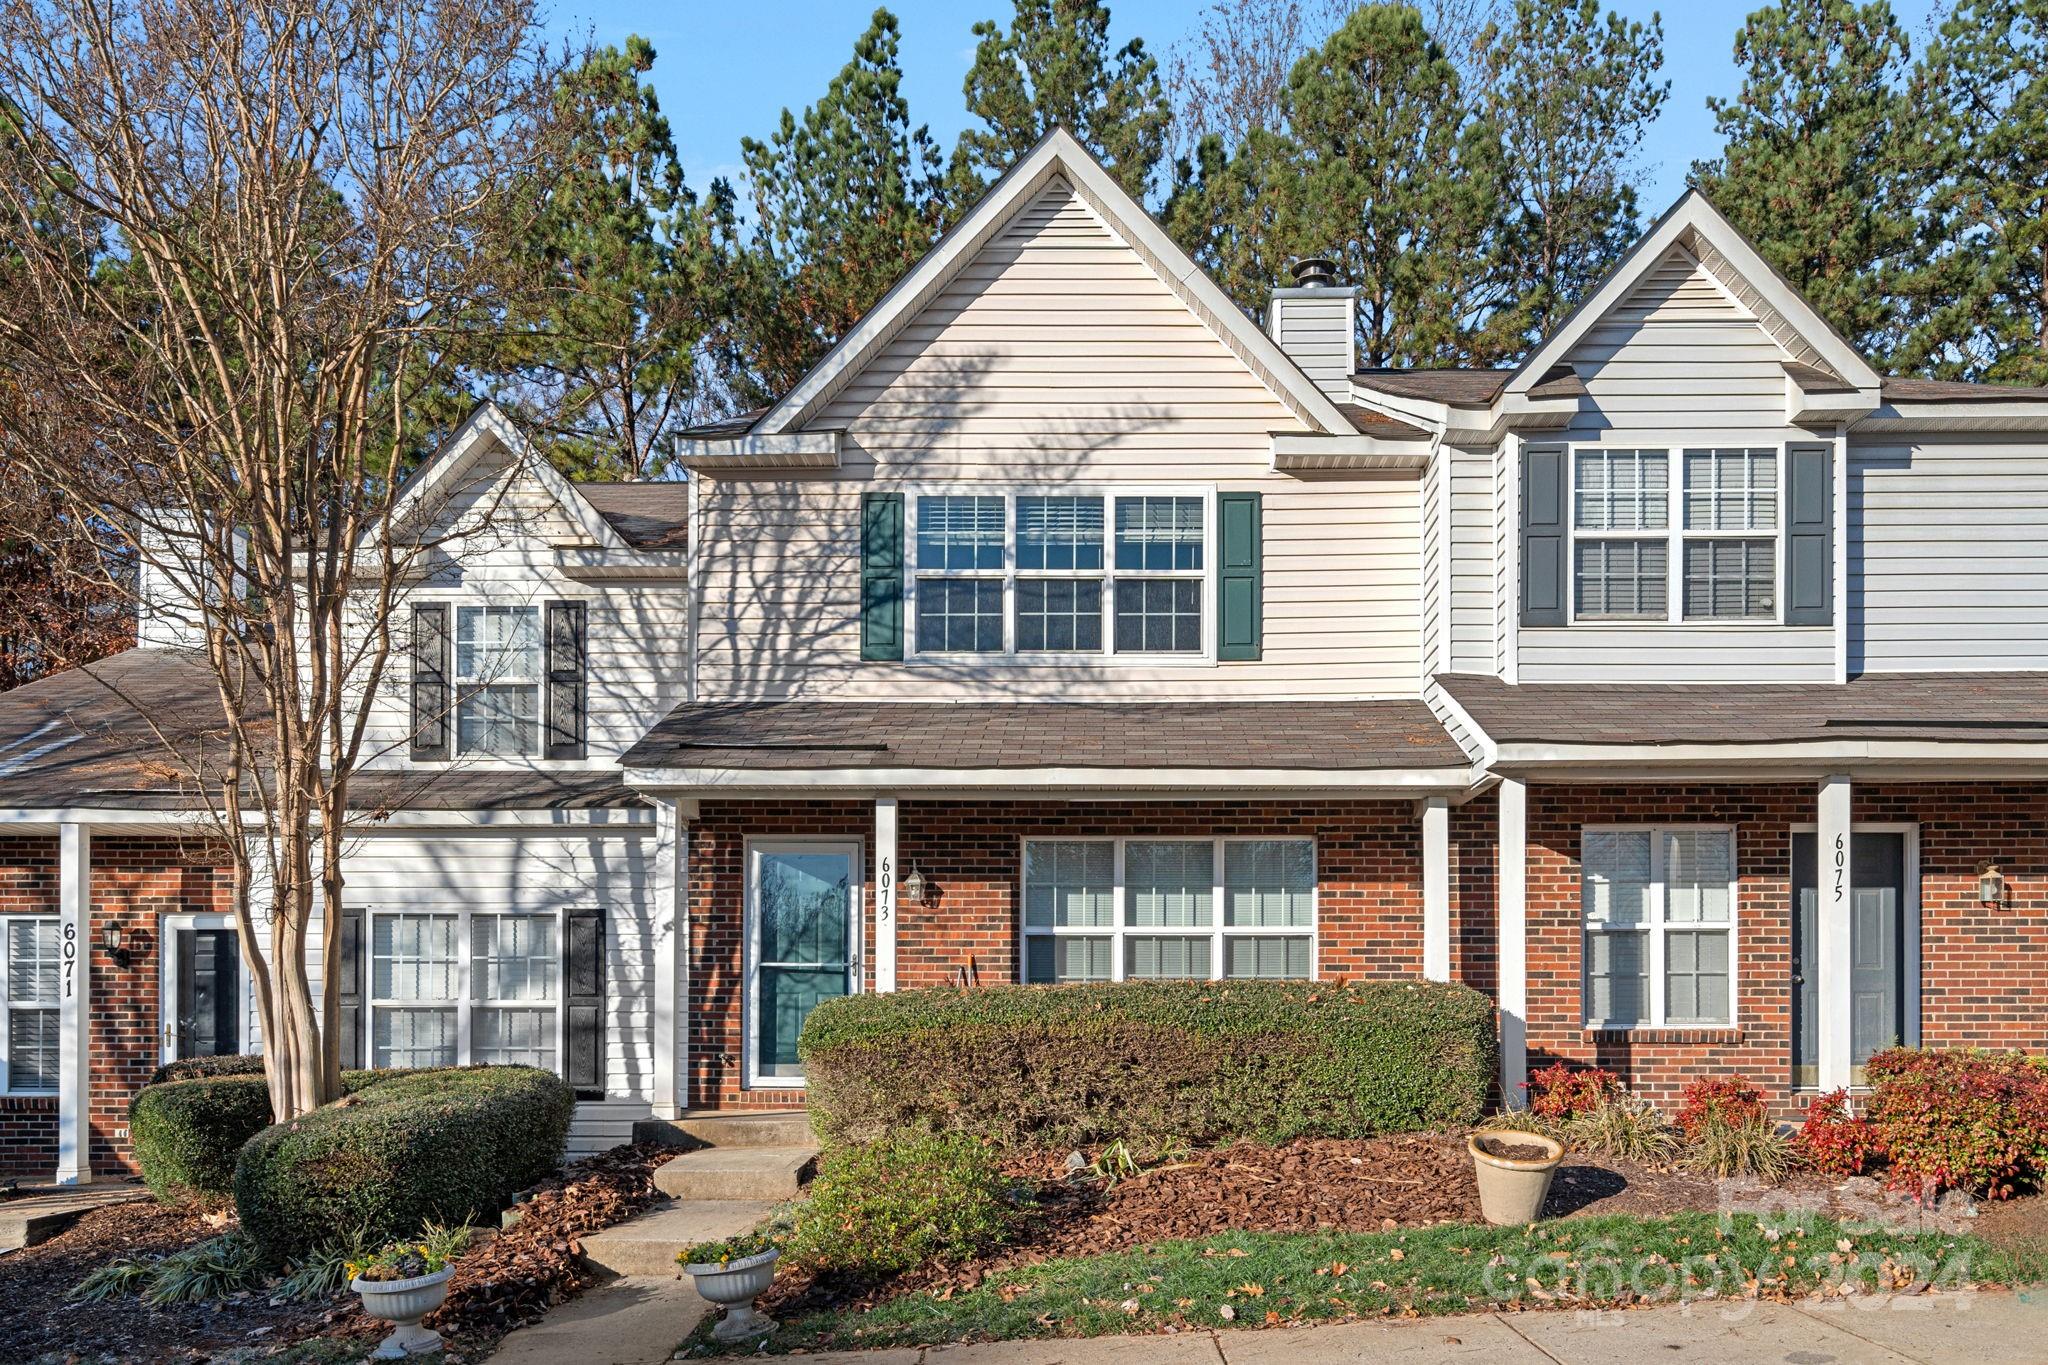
(1814, 379)
(736, 425)
(1379, 426)
(1951, 391)
(143, 730)
(1953, 707)
(650, 515)
(1468, 388)
(797, 735)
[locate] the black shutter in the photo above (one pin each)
(583, 1069)
(1545, 578)
(430, 665)
(1240, 634)
(566, 689)
(1810, 535)
(350, 975)
(881, 576)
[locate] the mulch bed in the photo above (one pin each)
(1310, 1185)
(506, 1281)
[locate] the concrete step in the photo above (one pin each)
(741, 1173)
(647, 1243)
(729, 1128)
(30, 1219)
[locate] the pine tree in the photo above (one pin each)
(846, 199)
(1394, 179)
(625, 348)
(1054, 68)
(1811, 172)
(1226, 212)
(1977, 292)
(1572, 92)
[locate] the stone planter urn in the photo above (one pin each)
(734, 1286)
(1514, 1170)
(402, 1303)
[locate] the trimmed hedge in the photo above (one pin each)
(189, 1126)
(1205, 1062)
(893, 1205)
(446, 1146)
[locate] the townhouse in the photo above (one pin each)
(1685, 688)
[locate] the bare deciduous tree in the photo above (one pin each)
(246, 242)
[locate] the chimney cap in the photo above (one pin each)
(1313, 272)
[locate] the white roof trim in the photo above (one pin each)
(1908, 416)
(1305, 453)
(1170, 780)
(455, 454)
(757, 450)
(1057, 154)
(1695, 223)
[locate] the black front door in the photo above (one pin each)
(209, 971)
(1877, 951)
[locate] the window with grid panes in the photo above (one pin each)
(465, 988)
(29, 982)
(1137, 909)
(1658, 907)
(1731, 571)
(1621, 550)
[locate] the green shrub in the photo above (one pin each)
(1622, 1126)
(187, 1133)
(189, 1127)
(1199, 1061)
(452, 1146)
(1741, 1146)
(1960, 1118)
(894, 1204)
(199, 1068)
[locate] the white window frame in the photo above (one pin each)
(8, 1004)
(462, 1004)
(458, 683)
(1219, 934)
(1108, 576)
(1675, 534)
(750, 964)
(1655, 926)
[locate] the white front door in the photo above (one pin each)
(803, 946)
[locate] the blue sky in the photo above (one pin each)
(726, 70)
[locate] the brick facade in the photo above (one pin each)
(135, 881)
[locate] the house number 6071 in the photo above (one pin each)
(70, 953)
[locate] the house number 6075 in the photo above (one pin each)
(1841, 866)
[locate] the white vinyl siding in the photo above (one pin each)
(1056, 361)
(1680, 364)
(1140, 909)
(1658, 906)
(1948, 553)
(30, 977)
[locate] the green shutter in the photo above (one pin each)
(1240, 633)
(1544, 578)
(881, 576)
(1810, 535)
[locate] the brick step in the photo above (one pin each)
(743, 1174)
(647, 1243)
(729, 1128)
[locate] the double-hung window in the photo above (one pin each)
(1157, 909)
(452, 988)
(29, 990)
(1048, 574)
(1715, 560)
(1659, 913)
(497, 680)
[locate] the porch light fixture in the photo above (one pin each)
(114, 939)
(916, 889)
(1991, 886)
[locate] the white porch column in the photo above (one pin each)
(74, 1014)
(1436, 888)
(885, 894)
(670, 891)
(1512, 934)
(1832, 959)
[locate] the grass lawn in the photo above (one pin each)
(1254, 1279)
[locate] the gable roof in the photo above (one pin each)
(1057, 156)
(652, 514)
(1694, 224)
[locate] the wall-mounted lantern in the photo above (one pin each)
(114, 939)
(916, 889)
(1992, 887)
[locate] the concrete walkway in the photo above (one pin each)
(1988, 1328)
(635, 1320)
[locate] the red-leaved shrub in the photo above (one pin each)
(1562, 1092)
(1728, 1101)
(1835, 1141)
(1962, 1119)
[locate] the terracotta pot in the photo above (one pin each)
(402, 1303)
(734, 1286)
(1512, 1190)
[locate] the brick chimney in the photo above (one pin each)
(1313, 318)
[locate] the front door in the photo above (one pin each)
(203, 992)
(1877, 951)
(803, 915)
